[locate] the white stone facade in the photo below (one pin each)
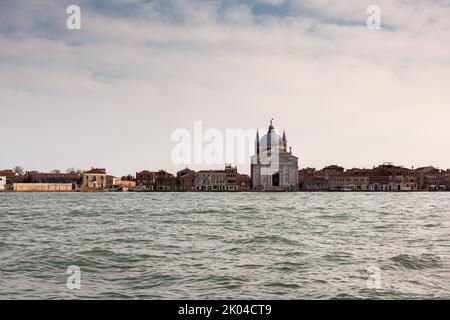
(273, 167)
(2, 183)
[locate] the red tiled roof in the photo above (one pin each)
(7, 173)
(97, 171)
(145, 172)
(57, 175)
(211, 171)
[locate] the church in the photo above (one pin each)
(273, 167)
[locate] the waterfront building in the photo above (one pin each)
(2, 183)
(210, 180)
(57, 178)
(379, 179)
(112, 182)
(333, 170)
(230, 178)
(94, 180)
(447, 179)
(186, 180)
(315, 183)
(218, 180)
(11, 177)
(309, 179)
(165, 181)
(273, 167)
(339, 181)
(431, 178)
(243, 182)
(402, 179)
(126, 185)
(359, 179)
(388, 177)
(145, 181)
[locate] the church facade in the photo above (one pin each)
(273, 167)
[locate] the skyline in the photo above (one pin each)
(111, 94)
(200, 167)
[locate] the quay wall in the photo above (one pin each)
(42, 187)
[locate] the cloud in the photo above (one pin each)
(138, 70)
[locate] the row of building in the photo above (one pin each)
(189, 180)
(273, 168)
(97, 179)
(90, 180)
(385, 177)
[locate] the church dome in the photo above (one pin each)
(271, 140)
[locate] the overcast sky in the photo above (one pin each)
(112, 93)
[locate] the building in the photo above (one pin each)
(57, 178)
(127, 183)
(2, 183)
(210, 180)
(379, 179)
(316, 183)
(388, 177)
(447, 179)
(333, 170)
(10, 178)
(273, 167)
(402, 179)
(359, 179)
(309, 179)
(112, 182)
(165, 181)
(94, 180)
(243, 182)
(145, 181)
(231, 178)
(219, 180)
(431, 178)
(186, 180)
(339, 182)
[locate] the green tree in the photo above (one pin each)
(19, 170)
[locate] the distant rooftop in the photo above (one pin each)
(97, 171)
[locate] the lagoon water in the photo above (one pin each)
(225, 245)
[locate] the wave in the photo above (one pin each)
(283, 285)
(272, 239)
(423, 261)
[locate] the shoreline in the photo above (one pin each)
(247, 191)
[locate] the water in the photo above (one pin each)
(225, 245)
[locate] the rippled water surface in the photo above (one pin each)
(225, 245)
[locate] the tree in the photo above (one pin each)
(30, 178)
(55, 171)
(19, 170)
(73, 170)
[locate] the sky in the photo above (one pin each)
(112, 94)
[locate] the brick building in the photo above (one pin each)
(186, 180)
(94, 180)
(431, 178)
(145, 181)
(58, 178)
(243, 182)
(165, 181)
